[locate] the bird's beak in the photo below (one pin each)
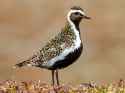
(86, 17)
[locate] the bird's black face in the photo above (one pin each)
(76, 17)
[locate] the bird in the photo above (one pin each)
(63, 49)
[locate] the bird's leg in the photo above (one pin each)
(57, 77)
(53, 73)
(53, 80)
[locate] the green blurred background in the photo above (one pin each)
(26, 25)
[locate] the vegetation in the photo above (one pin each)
(10, 86)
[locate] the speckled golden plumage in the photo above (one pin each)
(53, 48)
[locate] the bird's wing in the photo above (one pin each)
(52, 48)
(57, 45)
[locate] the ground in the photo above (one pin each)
(10, 86)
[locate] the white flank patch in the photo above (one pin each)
(77, 42)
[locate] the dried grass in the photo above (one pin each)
(10, 86)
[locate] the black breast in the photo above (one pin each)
(69, 59)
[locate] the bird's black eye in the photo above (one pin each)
(77, 13)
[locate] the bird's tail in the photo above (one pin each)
(30, 62)
(19, 65)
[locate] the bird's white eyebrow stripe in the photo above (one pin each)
(73, 11)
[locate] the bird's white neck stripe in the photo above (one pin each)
(77, 41)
